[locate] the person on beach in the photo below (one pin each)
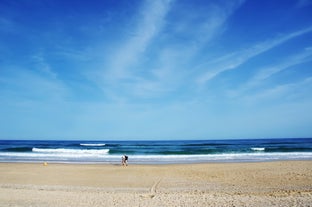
(124, 160)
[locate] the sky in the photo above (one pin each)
(155, 69)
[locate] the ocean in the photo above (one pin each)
(156, 152)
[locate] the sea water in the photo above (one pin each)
(156, 152)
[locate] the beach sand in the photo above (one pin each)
(286, 183)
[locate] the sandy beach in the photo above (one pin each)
(285, 183)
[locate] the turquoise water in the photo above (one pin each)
(156, 152)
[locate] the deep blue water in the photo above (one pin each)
(139, 152)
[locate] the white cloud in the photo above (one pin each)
(73, 54)
(233, 60)
(291, 61)
(150, 22)
(143, 76)
(258, 80)
(292, 92)
(267, 72)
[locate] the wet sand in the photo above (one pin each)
(286, 183)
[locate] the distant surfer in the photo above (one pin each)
(124, 160)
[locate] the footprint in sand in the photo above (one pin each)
(152, 190)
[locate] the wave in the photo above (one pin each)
(18, 149)
(288, 149)
(92, 144)
(97, 156)
(257, 148)
(70, 151)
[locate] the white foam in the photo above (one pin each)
(229, 157)
(71, 155)
(71, 151)
(92, 145)
(258, 148)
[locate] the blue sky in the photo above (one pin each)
(163, 69)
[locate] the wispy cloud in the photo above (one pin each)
(281, 93)
(196, 29)
(73, 54)
(258, 88)
(42, 65)
(233, 60)
(303, 3)
(174, 38)
(267, 72)
(19, 84)
(150, 22)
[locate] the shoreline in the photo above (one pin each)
(159, 163)
(285, 183)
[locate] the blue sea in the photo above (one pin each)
(156, 152)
